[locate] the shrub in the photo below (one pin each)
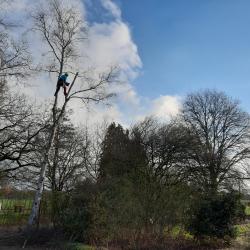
(215, 216)
(75, 214)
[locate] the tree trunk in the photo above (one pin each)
(38, 196)
(36, 203)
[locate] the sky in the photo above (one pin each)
(165, 50)
(191, 45)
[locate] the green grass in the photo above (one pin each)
(13, 219)
(242, 229)
(79, 246)
(11, 203)
(242, 240)
(14, 211)
(247, 210)
(177, 231)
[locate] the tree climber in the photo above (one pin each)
(62, 83)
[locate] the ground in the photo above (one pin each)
(11, 237)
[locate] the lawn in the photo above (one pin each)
(79, 246)
(11, 203)
(14, 211)
(247, 210)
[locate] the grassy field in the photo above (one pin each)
(243, 238)
(11, 203)
(79, 246)
(243, 235)
(14, 211)
(247, 210)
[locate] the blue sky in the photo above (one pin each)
(190, 45)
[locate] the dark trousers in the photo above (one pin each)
(59, 85)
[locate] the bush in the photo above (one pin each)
(116, 212)
(215, 216)
(75, 214)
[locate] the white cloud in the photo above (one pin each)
(94, 114)
(130, 96)
(112, 7)
(166, 106)
(14, 5)
(109, 43)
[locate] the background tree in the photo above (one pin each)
(67, 164)
(114, 160)
(220, 138)
(15, 58)
(219, 132)
(20, 124)
(163, 185)
(94, 138)
(140, 181)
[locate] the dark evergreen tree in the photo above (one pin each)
(121, 155)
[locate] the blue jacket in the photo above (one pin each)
(63, 78)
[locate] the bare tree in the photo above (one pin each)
(19, 124)
(60, 28)
(67, 165)
(220, 138)
(94, 140)
(19, 127)
(165, 147)
(15, 59)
